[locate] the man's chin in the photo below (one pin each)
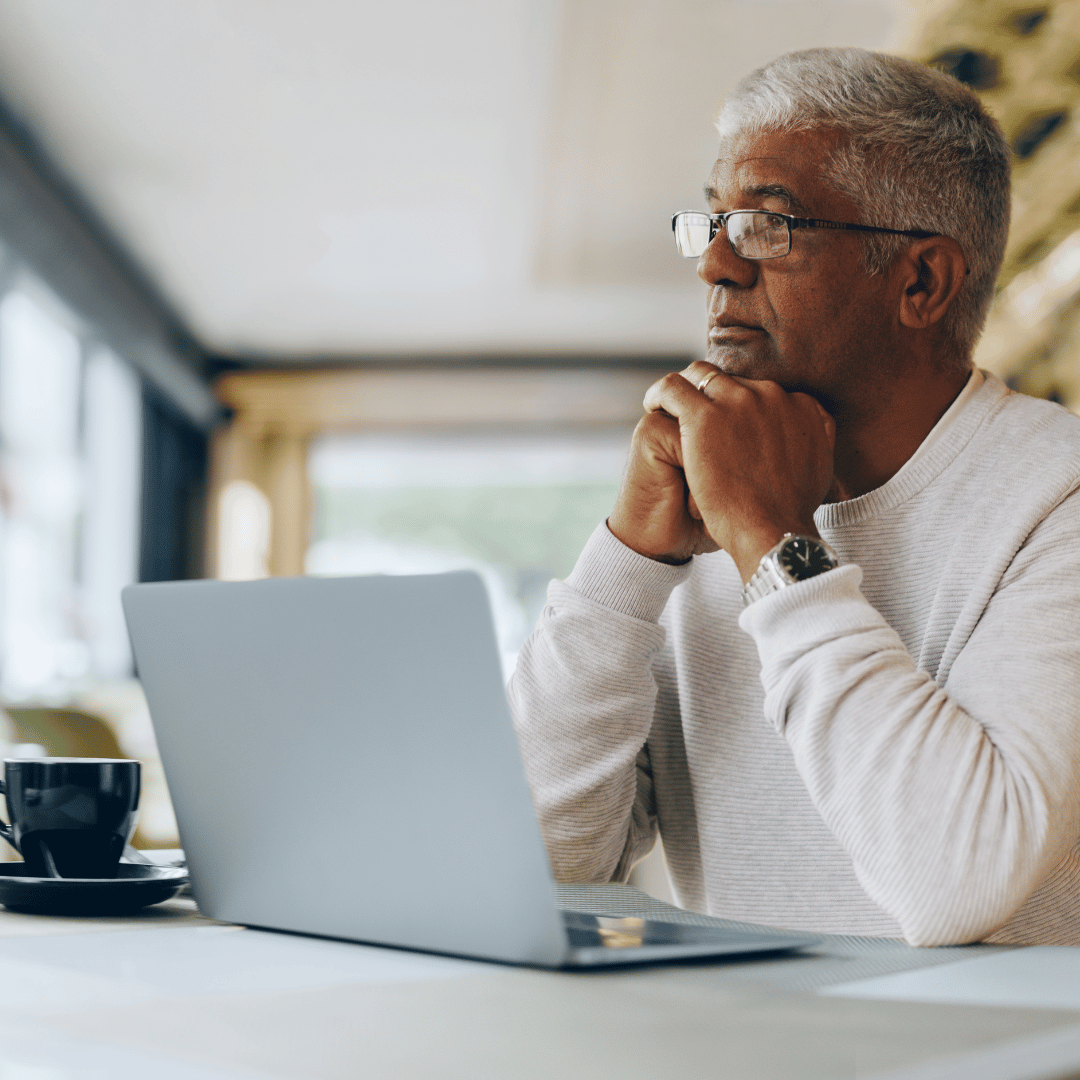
(744, 362)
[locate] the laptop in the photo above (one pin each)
(342, 762)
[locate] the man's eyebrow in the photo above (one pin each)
(764, 191)
(778, 191)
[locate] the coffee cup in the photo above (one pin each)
(70, 817)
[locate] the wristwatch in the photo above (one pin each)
(795, 558)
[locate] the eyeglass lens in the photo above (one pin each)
(752, 234)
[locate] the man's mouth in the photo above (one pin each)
(732, 332)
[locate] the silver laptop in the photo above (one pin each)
(342, 762)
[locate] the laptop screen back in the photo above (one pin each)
(342, 761)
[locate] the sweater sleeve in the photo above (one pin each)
(953, 801)
(582, 696)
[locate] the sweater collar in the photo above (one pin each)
(940, 448)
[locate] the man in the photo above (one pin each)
(884, 739)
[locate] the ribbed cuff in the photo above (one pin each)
(617, 577)
(820, 608)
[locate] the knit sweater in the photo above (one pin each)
(891, 748)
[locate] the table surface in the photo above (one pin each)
(168, 994)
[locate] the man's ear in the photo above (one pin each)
(931, 272)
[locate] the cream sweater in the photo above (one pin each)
(892, 748)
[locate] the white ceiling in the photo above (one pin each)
(349, 177)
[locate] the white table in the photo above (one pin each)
(171, 995)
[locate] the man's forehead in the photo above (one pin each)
(779, 165)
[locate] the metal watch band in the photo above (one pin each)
(769, 576)
(765, 579)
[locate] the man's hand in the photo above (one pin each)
(734, 465)
(654, 513)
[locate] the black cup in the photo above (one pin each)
(70, 817)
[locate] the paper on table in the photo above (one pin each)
(1046, 977)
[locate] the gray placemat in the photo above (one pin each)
(838, 959)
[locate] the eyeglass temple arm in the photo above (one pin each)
(817, 223)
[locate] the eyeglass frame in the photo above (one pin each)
(718, 220)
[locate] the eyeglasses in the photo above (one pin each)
(756, 234)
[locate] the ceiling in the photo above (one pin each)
(333, 178)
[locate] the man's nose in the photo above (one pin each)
(719, 265)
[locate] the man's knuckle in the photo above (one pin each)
(650, 425)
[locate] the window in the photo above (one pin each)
(516, 507)
(112, 437)
(70, 432)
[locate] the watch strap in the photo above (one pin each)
(771, 576)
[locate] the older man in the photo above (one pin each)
(827, 642)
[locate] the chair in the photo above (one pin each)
(65, 732)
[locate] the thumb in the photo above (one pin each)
(827, 422)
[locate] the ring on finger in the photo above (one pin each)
(705, 382)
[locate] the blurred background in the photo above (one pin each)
(340, 287)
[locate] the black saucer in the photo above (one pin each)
(134, 887)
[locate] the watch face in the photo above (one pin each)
(804, 558)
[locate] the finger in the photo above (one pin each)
(657, 440)
(827, 422)
(671, 394)
(693, 374)
(650, 393)
(698, 373)
(701, 374)
(674, 395)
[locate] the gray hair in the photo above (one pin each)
(920, 152)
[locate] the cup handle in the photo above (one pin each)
(6, 830)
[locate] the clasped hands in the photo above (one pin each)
(733, 465)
